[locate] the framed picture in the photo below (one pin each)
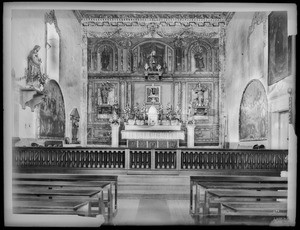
(153, 94)
(278, 47)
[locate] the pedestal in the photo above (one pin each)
(115, 135)
(190, 135)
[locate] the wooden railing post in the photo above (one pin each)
(178, 159)
(127, 158)
(152, 158)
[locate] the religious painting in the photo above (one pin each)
(153, 94)
(253, 120)
(278, 47)
(52, 112)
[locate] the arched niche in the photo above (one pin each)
(103, 57)
(141, 53)
(253, 116)
(200, 56)
(51, 113)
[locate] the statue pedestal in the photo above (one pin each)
(30, 97)
(190, 135)
(115, 135)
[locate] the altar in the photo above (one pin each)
(156, 136)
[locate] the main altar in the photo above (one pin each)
(152, 131)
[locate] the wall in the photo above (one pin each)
(247, 59)
(70, 64)
(29, 29)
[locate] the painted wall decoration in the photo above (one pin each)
(153, 94)
(253, 120)
(52, 112)
(278, 46)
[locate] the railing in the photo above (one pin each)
(140, 159)
(153, 159)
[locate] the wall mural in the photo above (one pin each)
(253, 123)
(52, 112)
(278, 47)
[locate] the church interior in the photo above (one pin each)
(127, 115)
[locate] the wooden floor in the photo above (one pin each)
(153, 200)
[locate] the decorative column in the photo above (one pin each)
(115, 135)
(292, 167)
(84, 85)
(190, 135)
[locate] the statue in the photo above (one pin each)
(34, 76)
(160, 112)
(116, 107)
(152, 60)
(199, 60)
(105, 59)
(127, 112)
(74, 116)
(105, 89)
(136, 111)
(75, 125)
(178, 113)
(200, 95)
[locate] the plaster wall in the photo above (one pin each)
(29, 29)
(245, 60)
(70, 64)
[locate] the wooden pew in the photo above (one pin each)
(78, 194)
(234, 182)
(241, 212)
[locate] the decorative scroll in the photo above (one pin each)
(278, 47)
(253, 121)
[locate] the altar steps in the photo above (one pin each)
(153, 186)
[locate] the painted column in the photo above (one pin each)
(84, 83)
(115, 135)
(190, 135)
(222, 94)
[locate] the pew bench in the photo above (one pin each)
(230, 182)
(68, 194)
(215, 198)
(237, 212)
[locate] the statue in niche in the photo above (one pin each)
(160, 113)
(152, 60)
(34, 77)
(199, 60)
(201, 102)
(105, 58)
(116, 107)
(105, 89)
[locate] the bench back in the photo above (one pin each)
(252, 179)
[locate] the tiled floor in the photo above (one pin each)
(153, 212)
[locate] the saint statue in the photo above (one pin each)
(105, 59)
(152, 60)
(199, 61)
(34, 77)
